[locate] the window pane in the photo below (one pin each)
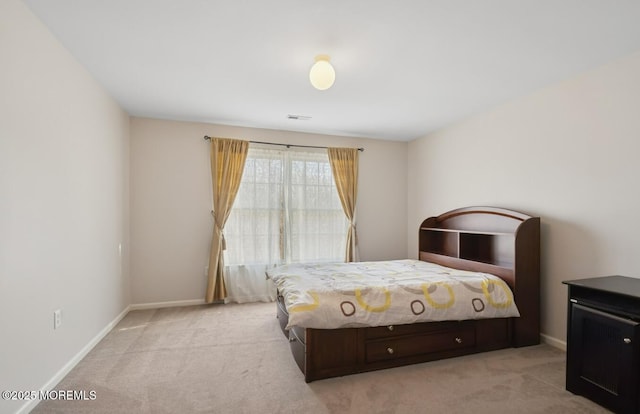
(311, 173)
(326, 177)
(262, 171)
(297, 172)
(297, 196)
(311, 197)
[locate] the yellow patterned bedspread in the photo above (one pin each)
(347, 295)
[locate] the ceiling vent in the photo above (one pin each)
(299, 117)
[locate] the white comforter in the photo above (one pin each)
(341, 295)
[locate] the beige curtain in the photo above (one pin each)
(227, 164)
(344, 165)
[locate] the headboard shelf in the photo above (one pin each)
(495, 248)
(493, 240)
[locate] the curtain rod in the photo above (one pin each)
(207, 138)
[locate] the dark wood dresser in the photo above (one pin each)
(603, 341)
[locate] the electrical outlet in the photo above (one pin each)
(57, 318)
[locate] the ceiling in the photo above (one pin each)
(403, 68)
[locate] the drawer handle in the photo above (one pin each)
(390, 327)
(459, 340)
(390, 351)
(627, 340)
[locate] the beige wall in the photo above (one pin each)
(569, 154)
(171, 202)
(63, 207)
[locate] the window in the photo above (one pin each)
(287, 210)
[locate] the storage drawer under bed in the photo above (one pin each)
(419, 344)
(414, 328)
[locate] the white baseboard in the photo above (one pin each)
(556, 343)
(171, 304)
(50, 385)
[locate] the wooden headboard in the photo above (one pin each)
(493, 240)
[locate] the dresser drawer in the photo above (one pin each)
(419, 344)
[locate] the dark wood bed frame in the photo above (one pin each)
(485, 239)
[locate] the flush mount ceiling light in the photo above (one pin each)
(322, 75)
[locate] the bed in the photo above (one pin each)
(380, 315)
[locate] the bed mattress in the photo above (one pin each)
(362, 294)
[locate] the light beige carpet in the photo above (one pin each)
(234, 359)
